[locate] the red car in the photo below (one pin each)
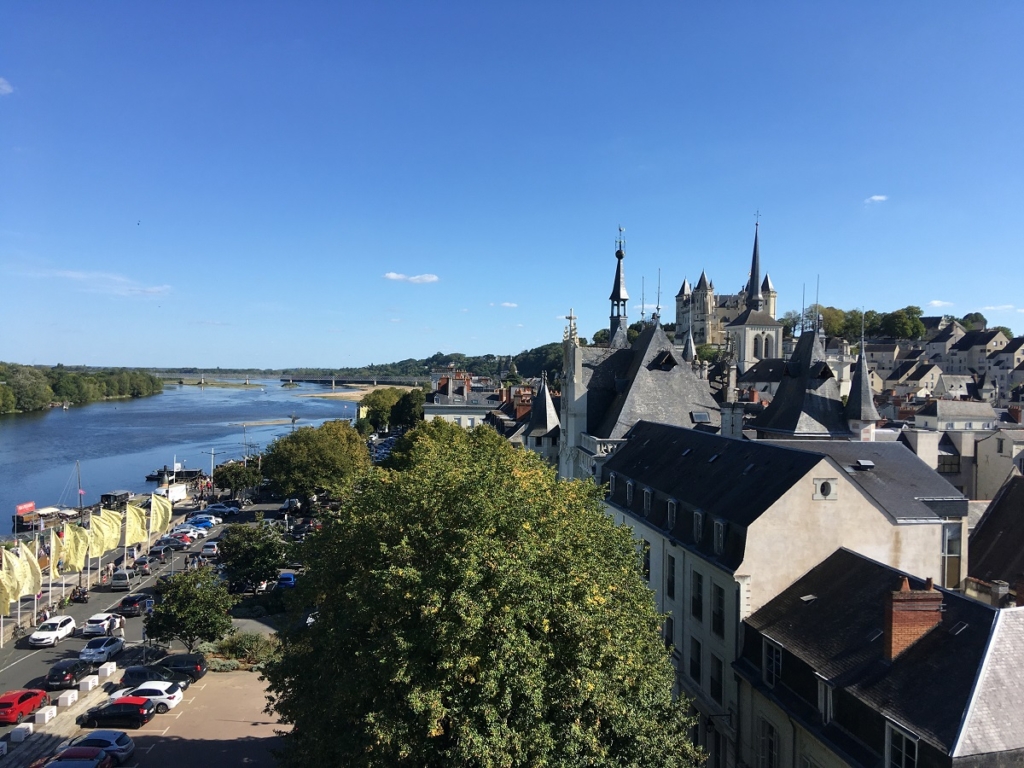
(94, 757)
(182, 537)
(15, 706)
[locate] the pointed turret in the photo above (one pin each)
(755, 300)
(618, 322)
(684, 289)
(543, 416)
(766, 284)
(702, 284)
(860, 405)
(689, 348)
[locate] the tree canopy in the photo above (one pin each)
(309, 459)
(32, 388)
(251, 554)
(237, 476)
(476, 611)
(194, 609)
(408, 411)
(378, 404)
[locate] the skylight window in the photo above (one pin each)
(713, 457)
(700, 417)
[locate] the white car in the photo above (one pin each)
(191, 530)
(101, 649)
(164, 695)
(52, 631)
(96, 624)
(211, 518)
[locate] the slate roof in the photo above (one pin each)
(702, 284)
(922, 371)
(899, 482)
(754, 317)
(754, 298)
(543, 415)
(807, 402)
(860, 404)
(654, 383)
(958, 409)
(901, 371)
(996, 549)
(769, 370)
(689, 348)
(619, 286)
(1013, 345)
(974, 339)
(927, 688)
(684, 289)
(766, 284)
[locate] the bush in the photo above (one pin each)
(207, 649)
(249, 610)
(223, 665)
(249, 647)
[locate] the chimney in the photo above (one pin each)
(910, 614)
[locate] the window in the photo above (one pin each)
(901, 747)
(695, 659)
(697, 596)
(767, 745)
(670, 515)
(951, 555)
(718, 610)
(825, 488)
(999, 445)
(536, 442)
(771, 662)
(717, 676)
(611, 483)
(647, 501)
(719, 537)
(698, 526)
(825, 701)
(670, 632)
(629, 493)
(670, 577)
(645, 554)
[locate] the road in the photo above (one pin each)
(24, 667)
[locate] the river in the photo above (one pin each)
(119, 442)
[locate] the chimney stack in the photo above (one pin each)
(910, 614)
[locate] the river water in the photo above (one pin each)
(118, 443)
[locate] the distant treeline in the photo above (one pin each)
(32, 388)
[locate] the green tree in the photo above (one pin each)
(194, 609)
(790, 322)
(379, 403)
(31, 390)
(408, 411)
(974, 321)
(364, 427)
(602, 336)
(476, 611)
(236, 476)
(251, 554)
(1006, 331)
(903, 324)
(312, 458)
(8, 404)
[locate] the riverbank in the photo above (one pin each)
(356, 392)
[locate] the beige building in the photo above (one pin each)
(997, 458)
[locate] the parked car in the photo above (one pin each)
(191, 530)
(96, 624)
(52, 631)
(213, 514)
(182, 537)
(124, 579)
(78, 757)
(218, 508)
(130, 711)
(202, 517)
(137, 675)
(158, 551)
(286, 581)
(117, 744)
(166, 696)
(133, 605)
(15, 706)
(203, 523)
(101, 649)
(144, 564)
(67, 673)
(191, 664)
(175, 544)
(291, 506)
(210, 549)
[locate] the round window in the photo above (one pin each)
(825, 489)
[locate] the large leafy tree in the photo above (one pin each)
(476, 611)
(236, 476)
(312, 458)
(408, 411)
(379, 403)
(251, 554)
(194, 608)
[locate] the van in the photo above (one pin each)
(123, 580)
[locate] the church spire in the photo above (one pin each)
(755, 300)
(618, 321)
(860, 405)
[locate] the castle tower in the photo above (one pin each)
(619, 323)
(683, 309)
(701, 302)
(770, 295)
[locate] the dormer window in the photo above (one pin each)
(670, 514)
(647, 501)
(611, 483)
(719, 537)
(629, 493)
(825, 700)
(900, 747)
(771, 662)
(698, 526)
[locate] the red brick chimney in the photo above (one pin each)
(1014, 411)
(910, 614)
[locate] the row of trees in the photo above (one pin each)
(901, 324)
(27, 388)
(391, 407)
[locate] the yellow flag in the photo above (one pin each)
(135, 525)
(113, 529)
(35, 572)
(12, 570)
(26, 570)
(97, 536)
(56, 550)
(76, 542)
(6, 594)
(161, 508)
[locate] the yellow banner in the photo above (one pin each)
(56, 550)
(35, 572)
(12, 571)
(25, 570)
(6, 594)
(135, 525)
(97, 536)
(113, 530)
(161, 508)
(76, 542)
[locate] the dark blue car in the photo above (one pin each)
(286, 581)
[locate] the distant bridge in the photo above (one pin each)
(340, 381)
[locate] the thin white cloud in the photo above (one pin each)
(395, 320)
(5, 87)
(508, 304)
(998, 308)
(940, 303)
(1021, 311)
(417, 279)
(876, 199)
(105, 282)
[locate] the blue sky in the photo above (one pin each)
(335, 184)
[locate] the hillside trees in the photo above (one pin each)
(476, 611)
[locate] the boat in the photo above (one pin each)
(167, 474)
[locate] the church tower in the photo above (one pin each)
(770, 295)
(619, 323)
(701, 302)
(755, 300)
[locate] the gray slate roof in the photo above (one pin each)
(543, 415)
(860, 405)
(807, 403)
(619, 286)
(974, 339)
(958, 409)
(769, 370)
(754, 317)
(927, 688)
(996, 548)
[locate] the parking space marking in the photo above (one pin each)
(26, 656)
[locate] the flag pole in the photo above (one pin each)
(35, 597)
